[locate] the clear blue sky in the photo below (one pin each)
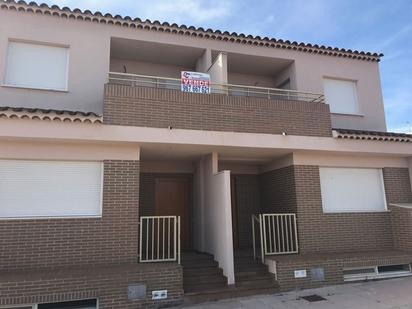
(369, 25)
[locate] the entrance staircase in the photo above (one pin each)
(203, 280)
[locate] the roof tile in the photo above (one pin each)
(372, 135)
(49, 114)
(218, 35)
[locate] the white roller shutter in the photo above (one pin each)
(50, 189)
(341, 95)
(352, 189)
(37, 66)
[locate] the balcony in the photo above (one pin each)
(135, 80)
(154, 101)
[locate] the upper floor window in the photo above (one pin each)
(341, 95)
(37, 66)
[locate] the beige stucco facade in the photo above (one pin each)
(90, 61)
(174, 150)
(212, 162)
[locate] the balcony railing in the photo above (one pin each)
(135, 80)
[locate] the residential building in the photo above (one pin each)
(121, 189)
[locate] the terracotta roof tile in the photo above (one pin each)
(372, 135)
(137, 23)
(49, 114)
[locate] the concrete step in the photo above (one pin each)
(241, 253)
(203, 286)
(261, 282)
(203, 280)
(196, 272)
(250, 268)
(246, 258)
(196, 256)
(194, 280)
(199, 264)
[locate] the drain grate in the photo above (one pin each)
(313, 298)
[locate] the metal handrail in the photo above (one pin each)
(258, 220)
(228, 89)
(159, 239)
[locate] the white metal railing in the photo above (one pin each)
(277, 234)
(136, 80)
(159, 239)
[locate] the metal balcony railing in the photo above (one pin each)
(159, 239)
(277, 234)
(135, 80)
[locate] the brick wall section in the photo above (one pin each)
(398, 190)
(401, 219)
(333, 265)
(297, 189)
(397, 185)
(341, 232)
(160, 108)
(248, 203)
(109, 284)
(278, 192)
(27, 244)
(285, 273)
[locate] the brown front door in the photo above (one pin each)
(172, 199)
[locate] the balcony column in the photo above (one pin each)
(204, 62)
(218, 73)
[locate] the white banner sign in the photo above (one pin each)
(195, 82)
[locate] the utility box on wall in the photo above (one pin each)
(136, 291)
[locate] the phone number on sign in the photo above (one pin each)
(195, 89)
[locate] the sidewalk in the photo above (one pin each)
(394, 293)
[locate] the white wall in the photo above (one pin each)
(213, 215)
(288, 73)
(251, 80)
(147, 68)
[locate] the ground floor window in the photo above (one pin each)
(78, 304)
(35, 189)
(352, 190)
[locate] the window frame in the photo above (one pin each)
(381, 182)
(358, 112)
(34, 306)
(22, 41)
(99, 216)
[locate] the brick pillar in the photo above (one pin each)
(121, 205)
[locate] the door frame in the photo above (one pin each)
(235, 219)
